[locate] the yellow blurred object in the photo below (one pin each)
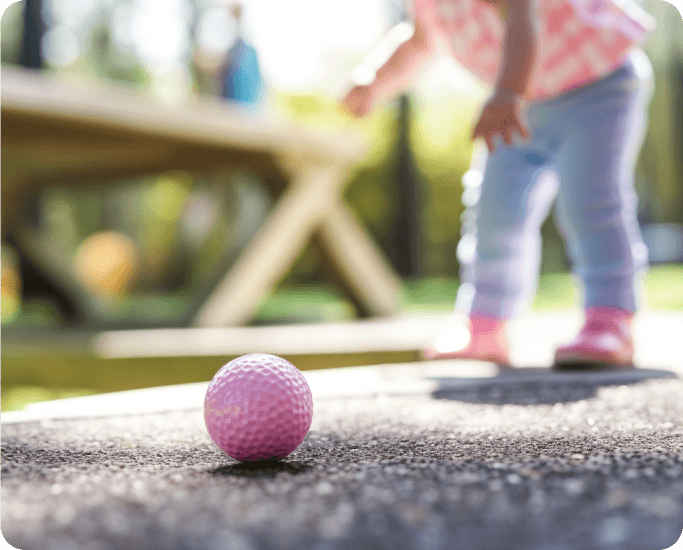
(10, 306)
(107, 263)
(11, 286)
(10, 280)
(167, 198)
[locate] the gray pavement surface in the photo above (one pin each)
(438, 456)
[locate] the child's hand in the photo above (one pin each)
(501, 116)
(358, 101)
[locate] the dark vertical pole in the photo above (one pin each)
(405, 238)
(404, 241)
(31, 55)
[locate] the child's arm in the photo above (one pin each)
(402, 69)
(519, 48)
(501, 115)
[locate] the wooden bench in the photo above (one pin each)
(121, 360)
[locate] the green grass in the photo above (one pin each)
(663, 291)
(437, 294)
(665, 287)
(556, 291)
(305, 304)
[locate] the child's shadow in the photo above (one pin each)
(261, 468)
(539, 386)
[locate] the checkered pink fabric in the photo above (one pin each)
(578, 41)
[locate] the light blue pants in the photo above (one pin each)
(581, 156)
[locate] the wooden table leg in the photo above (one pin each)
(362, 265)
(273, 250)
(352, 261)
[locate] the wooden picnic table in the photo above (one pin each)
(58, 131)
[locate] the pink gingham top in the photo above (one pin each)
(578, 41)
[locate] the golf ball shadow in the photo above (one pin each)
(261, 468)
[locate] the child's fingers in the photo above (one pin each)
(486, 135)
(356, 102)
(486, 130)
(354, 107)
(507, 133)
(522, 129)
(481, 129)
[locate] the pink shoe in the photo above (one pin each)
(479, 338)
(605, 339)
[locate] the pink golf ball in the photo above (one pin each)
(258, 407)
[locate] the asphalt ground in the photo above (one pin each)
(432, 456)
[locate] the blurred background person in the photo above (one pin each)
(240, 77)
(235, 75)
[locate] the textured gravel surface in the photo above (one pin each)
(527, 466)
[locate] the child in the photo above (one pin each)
(571, 94)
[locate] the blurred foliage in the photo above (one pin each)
(664, 287)
(11, 29)
(660, 168)
(443, 150)
(108, 62)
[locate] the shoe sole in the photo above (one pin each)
(572, 361)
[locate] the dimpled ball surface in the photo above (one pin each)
(258, 407)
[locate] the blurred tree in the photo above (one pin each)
(203, 67)
(12, 32)
(661, 162)
(107, 61)
(678, 115)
